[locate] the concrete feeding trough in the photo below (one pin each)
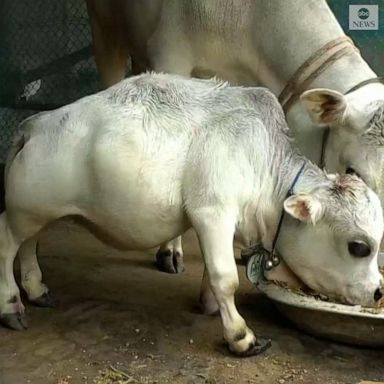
(343, 323)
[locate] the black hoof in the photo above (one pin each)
(170, 261)
(15, 321)
(45, 301)
(255, 348)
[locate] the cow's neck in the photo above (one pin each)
(291, 36)
(297, 35)
(344, 74)
(267, 214)
(308, 179)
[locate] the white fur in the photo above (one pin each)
(156, 154)
(249, 42)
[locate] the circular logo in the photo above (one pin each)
(363, 13)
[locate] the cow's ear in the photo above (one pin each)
(304, 207)
(324, 105)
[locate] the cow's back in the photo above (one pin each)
(133, 137)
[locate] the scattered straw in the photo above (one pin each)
(113, 375)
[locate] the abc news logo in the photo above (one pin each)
(363, 17)
(363, 14)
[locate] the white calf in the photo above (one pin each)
(157, 154)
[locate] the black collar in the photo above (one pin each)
(271, 258)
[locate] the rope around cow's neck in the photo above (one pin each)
(327, 129)
(316, 64)
(272, 259)
(299, 82)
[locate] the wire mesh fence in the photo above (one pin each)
(46, 58)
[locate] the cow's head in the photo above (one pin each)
(331, 239)
(356, 139)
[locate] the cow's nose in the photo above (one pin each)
(378, 294)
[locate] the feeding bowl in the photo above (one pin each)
(343, 323)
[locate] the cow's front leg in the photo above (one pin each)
(31, 276)
(169, 258)
(215, 234)
(11, 307)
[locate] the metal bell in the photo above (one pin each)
(268, 265)
(275, 260)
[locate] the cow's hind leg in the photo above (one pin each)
(11, 307)
(207, 298)
(31, 276)
(169, 258)
(215, 232)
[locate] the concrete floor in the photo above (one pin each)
(116, 313)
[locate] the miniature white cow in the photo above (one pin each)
(156, 154)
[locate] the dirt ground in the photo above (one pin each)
(119, 320)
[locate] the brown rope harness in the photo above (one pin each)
(313, 67)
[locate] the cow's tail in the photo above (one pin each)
(17, 145)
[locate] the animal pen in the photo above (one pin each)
(107, 329)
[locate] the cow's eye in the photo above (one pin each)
(359, 249)
(351, 171)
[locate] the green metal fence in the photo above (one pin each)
(46, 59)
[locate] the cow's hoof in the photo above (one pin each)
(45, 301)
(169, 261)
(15, 321)
(255, 347)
